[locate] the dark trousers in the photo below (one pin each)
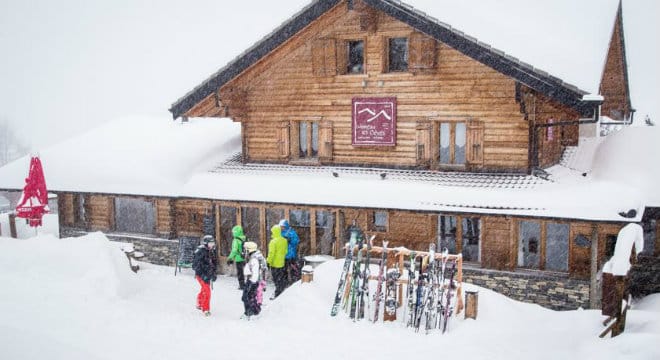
(249, 298)
(239, 274)
(293, 270)
(280, 280)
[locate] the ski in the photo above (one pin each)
(379, 287)
(342, 277)
(410, 291)
(448, 307)
(355, 279)
(391, 298)
(364, 289)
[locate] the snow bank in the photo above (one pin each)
(90, 264)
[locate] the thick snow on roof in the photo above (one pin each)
(619, 264)
(132, 155)
(631, 157)
(148, 156)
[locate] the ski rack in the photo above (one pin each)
(400, 253)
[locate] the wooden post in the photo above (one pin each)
(471, 304)
(12, 226)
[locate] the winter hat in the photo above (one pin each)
(237, 232)
(208, 240)
(284, 224)
(250, 247)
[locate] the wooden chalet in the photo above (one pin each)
(377, 88)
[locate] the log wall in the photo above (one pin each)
(284, 88)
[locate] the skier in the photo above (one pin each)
(236, 254)
(291, 260)
(277, 248)
(204, 265)
(253, 270)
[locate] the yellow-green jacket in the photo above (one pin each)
(277, 248)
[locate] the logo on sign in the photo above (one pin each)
(374, 121)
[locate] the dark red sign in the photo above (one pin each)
(374, 121)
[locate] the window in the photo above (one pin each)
(300, 220)
(325, 223)
(135, 216)
(528, 244)
(308, 139)
(610, 245)
(355, 63)
(447, 234)
(556, 253)
(250, 220)
(398, 55)
(470, 242)
(378, 221)
(228, 219)
(452, 143)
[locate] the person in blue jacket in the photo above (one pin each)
(291, 260)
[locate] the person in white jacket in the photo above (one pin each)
(254, 278)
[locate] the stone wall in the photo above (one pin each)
(556, 292)
(156, 250)
(645, 276)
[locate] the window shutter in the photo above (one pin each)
(325, 141)
(283, 148)
(475, 148)
(294, 139)
(385, 55)
(324, 57)
(423, 143)
(318, 57)
(422, 53)
(342, 57)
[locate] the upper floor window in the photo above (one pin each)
(355, 61)
(308, 139)
(452, 143)
(398, 55)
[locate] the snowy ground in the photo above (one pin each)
(76, 298)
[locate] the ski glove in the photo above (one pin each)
(229, 262)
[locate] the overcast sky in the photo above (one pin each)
(68, 65)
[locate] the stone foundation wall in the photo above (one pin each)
(555, 292)
(156, 250)
(645, 276)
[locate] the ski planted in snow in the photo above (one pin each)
(381, 275)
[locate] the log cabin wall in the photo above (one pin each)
(65, 206)
(165, 217)
(189, 218)
(101, 213)
(498, 243)
(547, 143)
(284, 89)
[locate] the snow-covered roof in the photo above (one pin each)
(158, 157)
(132, 155)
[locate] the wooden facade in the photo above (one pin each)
(305, 80)
(293, 95)
(497, 239)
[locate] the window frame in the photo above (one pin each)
(388, 55)
(348, 64)
(372, 223)
(295, 140)
(542, 244)
(458, 235)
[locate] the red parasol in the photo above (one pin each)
(33, 203)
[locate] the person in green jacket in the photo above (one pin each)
(277, 248)
(236, 254)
